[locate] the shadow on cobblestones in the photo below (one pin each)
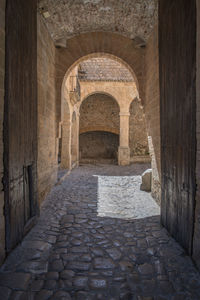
(72, 253)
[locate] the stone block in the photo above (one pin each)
(146, 181)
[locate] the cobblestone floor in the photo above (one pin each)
(72, 253)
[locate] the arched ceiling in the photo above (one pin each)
(67, 18)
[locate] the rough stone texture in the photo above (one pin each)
(152, 110)
(104, 69)
(146, 180)
(130, 259)
(70, 18)
(196, 241)
(47, 112)
(98, 145)
(121, 197)
(2, 74)
(138, 141)
(99, 112)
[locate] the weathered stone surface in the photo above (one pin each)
(126, 265)
(146, 269)
(37, 285)
(52, 275)
(79, 266)
(56, 265)
(143, 13)
(98, 283)
(17, 295)
(35, 267)
(83, 296)
(39, 245)
(80, 281)
(50, 284)
(61, 295)
(18, 281)
(43, 295)
(5, 293)
(67, 274)
(114, 253)
(103, 263)
(97, 251)
(146, 180)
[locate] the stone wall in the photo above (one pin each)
(98, 145)
(99, 121)
(152, 110)
(138, 141)
(47, 113)
(101, 112)
(2, 73)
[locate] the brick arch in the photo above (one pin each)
(98, 43)
(105, 55)
(87, 95)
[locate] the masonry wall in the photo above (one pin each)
(99, 145)
(99, 112)
(152, 110)
(196, 238)
(2, 75)
(47, 113)
(138, 141)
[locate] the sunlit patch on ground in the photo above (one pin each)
(121, 197)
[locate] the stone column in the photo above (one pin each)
(124, 150)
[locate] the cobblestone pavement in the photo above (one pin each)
(72, 253)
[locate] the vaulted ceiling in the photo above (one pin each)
(67, 18)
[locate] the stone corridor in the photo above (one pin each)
(72, 253)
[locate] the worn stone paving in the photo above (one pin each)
(72, 253)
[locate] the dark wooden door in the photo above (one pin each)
(20, 123)
(177, 53)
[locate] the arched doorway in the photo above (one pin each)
(99, 128)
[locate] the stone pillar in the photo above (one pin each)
(124, 150)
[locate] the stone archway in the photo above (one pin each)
(99, 128)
